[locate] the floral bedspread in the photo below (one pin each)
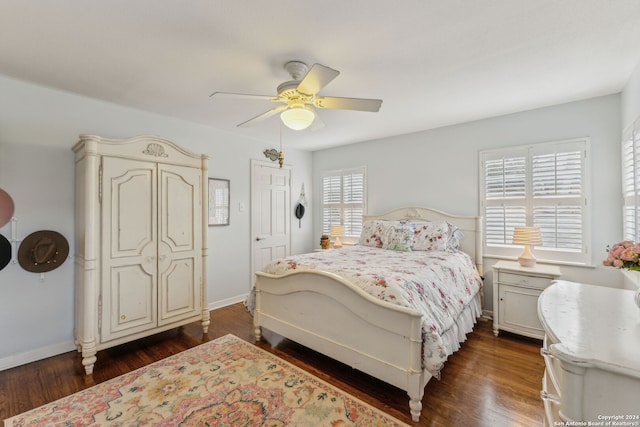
(438, 284)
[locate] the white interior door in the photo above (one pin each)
(270, 213)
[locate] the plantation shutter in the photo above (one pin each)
(343, 200)
(543, 185)
(631, 184)
(353, 200)
(331, 195)
(505, 195)
(557, 180)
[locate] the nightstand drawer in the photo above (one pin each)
(524, 280)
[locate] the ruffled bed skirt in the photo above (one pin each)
(457, 333)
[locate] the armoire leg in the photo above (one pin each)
(89, 358)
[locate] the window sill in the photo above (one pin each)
(544, 261)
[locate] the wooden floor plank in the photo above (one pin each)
(490, 381)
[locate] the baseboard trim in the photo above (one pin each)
(226, 302)
(35, 355)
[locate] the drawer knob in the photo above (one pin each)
(546, 353)
(544, 395)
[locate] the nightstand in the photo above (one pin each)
(515, 296)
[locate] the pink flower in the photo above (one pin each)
(624, 254)
(629, 255)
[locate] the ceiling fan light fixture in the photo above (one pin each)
(297, 118)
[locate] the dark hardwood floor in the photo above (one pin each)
(490, 381)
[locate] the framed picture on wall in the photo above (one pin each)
(219, 201)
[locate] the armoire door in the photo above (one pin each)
(180, 241)
(129, 247)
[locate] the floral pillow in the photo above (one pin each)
(399, 237)
(373, 232)
(431, 236)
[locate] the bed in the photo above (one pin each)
(326, 310)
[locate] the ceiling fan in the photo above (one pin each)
(300, 95)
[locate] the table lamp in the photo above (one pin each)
(527, 236)
(337, 231)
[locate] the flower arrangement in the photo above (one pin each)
(625, 254)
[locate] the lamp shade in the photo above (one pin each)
(527, 236)
(337, 231)
(297, 117)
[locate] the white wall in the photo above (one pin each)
(630, 99)
(38, 127)
(439, 168)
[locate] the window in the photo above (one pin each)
(542, 185)
(343, 200)
(631, 183)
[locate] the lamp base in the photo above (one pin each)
(527, 262)
(526, 259)
(337, 244)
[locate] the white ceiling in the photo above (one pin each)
(433, 62)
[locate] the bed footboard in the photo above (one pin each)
(322, 311)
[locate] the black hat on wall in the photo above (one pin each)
(5, 252)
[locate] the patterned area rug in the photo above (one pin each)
(225, 382)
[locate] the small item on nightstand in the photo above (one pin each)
(325, 242)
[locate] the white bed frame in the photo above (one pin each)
(326, 313)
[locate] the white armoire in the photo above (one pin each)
(140, 240)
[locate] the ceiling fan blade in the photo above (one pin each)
(263, 116)
(318, 77)
(359, 104)
(317, 122)
(242, 95)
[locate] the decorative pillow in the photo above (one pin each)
(431, 236)
(373, 231)
(399, 236)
